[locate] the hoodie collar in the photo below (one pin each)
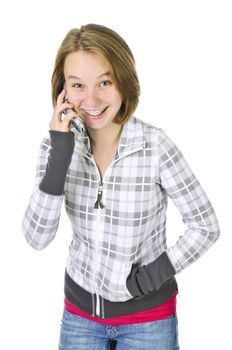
(131, 139)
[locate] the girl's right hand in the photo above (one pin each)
(61, 122)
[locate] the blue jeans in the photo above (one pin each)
(79, 333)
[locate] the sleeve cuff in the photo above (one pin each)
(62, 145)
(148, 278)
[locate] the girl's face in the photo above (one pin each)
(91, 88)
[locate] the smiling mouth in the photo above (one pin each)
(94, 113)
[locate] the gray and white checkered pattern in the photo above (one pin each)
(130, 228)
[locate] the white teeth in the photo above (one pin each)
(94, 113)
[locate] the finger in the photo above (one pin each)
(69, 115)
(60, 98)
(66, 122)
(63, 107)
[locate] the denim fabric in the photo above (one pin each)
(78, 333)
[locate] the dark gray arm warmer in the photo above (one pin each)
(62, 145)
(148, 278)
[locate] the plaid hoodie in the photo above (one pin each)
(118, 222)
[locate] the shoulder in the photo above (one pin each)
(154, 135)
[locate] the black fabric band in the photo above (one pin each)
(84, 300)
(145, 279)
(62, 145)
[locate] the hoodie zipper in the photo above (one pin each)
(99, 205)
(97, 260)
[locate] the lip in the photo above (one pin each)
(93, 117)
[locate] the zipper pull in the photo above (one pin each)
(98, 203)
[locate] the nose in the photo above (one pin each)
(91, 99)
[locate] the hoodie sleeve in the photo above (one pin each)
(183, 188)
(41, 218)
(202, 229)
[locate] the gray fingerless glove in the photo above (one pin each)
(148, 278)
(62, 145)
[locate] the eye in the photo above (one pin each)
(105, 83)
(77, 85)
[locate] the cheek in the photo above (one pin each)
(117, 101)
(74, 98)
(114, 99)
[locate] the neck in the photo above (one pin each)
(105, 137)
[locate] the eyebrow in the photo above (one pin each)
(101, 75)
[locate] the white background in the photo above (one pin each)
(184, 62)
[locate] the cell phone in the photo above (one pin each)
(76, 121)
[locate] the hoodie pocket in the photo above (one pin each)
(112, 282)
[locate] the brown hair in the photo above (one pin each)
(105, 41)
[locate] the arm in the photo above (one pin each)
(181, 185)
(42, 215)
